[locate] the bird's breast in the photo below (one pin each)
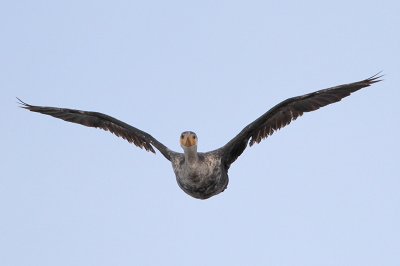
(202, 179)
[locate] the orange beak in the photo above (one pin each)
(188, 142)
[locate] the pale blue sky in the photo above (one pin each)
(322, 191)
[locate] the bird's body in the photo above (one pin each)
(203, 175)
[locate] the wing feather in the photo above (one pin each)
(133, 135)
(287, 111)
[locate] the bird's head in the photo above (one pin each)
(188, 139)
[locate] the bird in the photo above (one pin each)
(205, 174)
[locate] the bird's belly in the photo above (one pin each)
(203, 186)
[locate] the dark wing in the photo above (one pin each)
(108, 123)
(285, 112)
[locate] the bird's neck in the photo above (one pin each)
(190, 154)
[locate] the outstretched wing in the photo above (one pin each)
(108, 123)
(287, 111)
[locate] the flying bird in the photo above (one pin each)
(205, 174)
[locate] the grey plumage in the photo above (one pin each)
(203, 175)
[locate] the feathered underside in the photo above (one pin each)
(98, 120)
(276, 118)
(287, 111)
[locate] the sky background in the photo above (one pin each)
(322, 191)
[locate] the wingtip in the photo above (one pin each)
(22, 103)
(375, 78)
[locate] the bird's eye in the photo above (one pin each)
(182, 136)
(194, 137)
